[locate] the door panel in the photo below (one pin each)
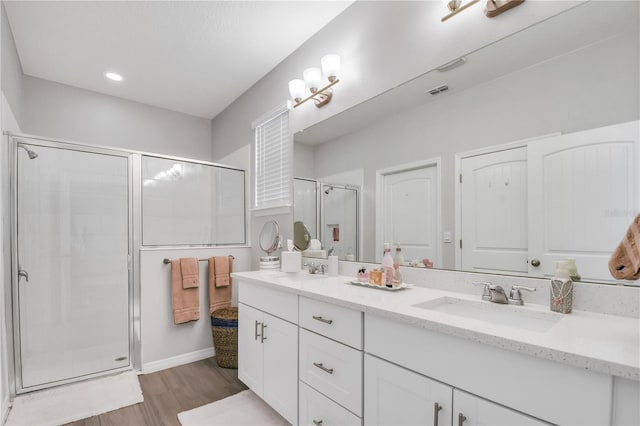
(249, 347)
(480, 412)
(581, 200)
(494, 212)
(73, 242)
(410, 213)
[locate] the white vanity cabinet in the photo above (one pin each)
(395, 395)
(268, 347)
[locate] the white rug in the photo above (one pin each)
(244, 408)
(76, 401)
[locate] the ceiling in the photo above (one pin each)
(190, 57)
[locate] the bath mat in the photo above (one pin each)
(75, 401)
(244, 408)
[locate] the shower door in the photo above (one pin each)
(71, 283)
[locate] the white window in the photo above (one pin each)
(273, 150)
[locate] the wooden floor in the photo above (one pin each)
(169, 392)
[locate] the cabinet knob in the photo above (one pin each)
(461, 419)
(535, 263)
(436, 407)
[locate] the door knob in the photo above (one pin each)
(535, 263)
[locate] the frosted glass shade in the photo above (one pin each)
(297, 89)
(313, 78)
(331, 66)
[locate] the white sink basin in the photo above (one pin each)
(296, 276)
(494, 313)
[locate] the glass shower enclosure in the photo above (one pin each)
(72, 280)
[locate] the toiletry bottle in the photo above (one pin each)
(397, 275)
(387, 266)
(398, 258)
(561, 289)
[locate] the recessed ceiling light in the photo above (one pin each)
(113, 76)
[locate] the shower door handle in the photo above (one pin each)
(22, 273)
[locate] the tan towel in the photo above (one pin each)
(625, 260)
(219, 297)
(190, 273)
(186, 301)
(222, 270)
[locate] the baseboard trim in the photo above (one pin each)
(174, 361)
(4, 410)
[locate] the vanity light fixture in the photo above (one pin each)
(313, 80)
(456, 6)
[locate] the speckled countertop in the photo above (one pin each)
(604, 343)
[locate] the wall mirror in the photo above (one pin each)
(519, 121)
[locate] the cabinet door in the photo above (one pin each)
(469, 410)
(250, 347)
(281, 367)
(396, 396)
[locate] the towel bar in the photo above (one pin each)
(167, 261)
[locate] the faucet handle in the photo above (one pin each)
(515, 296)
(486, 294)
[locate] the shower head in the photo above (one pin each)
(326, 191)
(30, 153)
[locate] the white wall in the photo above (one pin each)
(554, 96)
(165, 344)
(60, 111)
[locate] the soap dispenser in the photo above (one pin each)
(387, 266)
(561, 297)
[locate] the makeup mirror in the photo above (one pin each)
(301, 236)
(270, 237)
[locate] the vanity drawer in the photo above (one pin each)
(334, 322)
(316, 408)
(277, 303)
(333, 369)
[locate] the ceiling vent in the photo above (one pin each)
(438, 90)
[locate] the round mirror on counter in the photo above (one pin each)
(270, 239)
(301, 236)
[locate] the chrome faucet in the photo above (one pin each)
(315, 268)
(493, 293)
(515, 297)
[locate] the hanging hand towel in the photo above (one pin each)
(219, 297)
(625, 260)
(190, 273)
(223, 270)
(186, 301)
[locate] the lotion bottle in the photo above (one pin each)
(561, 297)
(387, 266)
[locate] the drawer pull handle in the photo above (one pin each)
(256, 335)
(436, 408)
(317, 422)
(263, 337)
(461, 419)
(323, 368)
(326, 321)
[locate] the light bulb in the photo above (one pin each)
(313, 78)
(297, 89)
(331, 66)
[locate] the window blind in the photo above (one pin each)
(273, 162)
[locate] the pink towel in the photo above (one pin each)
(186, 301)
(190, 273)
(220, 295)
(625, 260)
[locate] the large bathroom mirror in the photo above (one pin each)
(517, 157)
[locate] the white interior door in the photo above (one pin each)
(581, 200)
(410, 208)
(73, 247)
(494, 212)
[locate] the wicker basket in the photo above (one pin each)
(224, 328)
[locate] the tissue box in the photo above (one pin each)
(290, 261)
